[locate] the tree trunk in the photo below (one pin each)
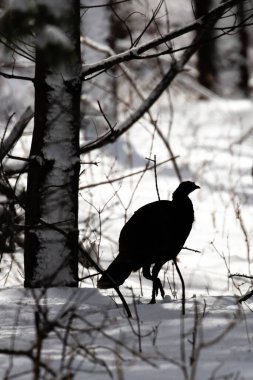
(232, 60)
(51, 238)
(243, 69)
(206, 61)
(222, 63)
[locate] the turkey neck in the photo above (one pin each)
(184, 206)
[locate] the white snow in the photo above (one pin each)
(106, 335)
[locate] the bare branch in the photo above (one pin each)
(176, 67)
(104, 4)
(16, 133)
(152, 19)
(106, 118)
(246, 296)
(125, 176)
(105, 49)
(201, 24)
(192, 250)
(240, 275)
(12, 76)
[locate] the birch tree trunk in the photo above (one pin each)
(51, 238)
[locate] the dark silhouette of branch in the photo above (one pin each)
(16, 132)
(112, 128)
(192, 250)
(104, 5)
(183, 286)
(13, 76)
(240, 275)
(150, 22)
(246, 296)
(156, 183)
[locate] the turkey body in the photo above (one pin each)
(154, 235)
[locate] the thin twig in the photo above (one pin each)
(109, 180)
(156, 182)
(183, 286)
(18, 158)
(240, 275)
(12, 76)
(112, 128)
(192, 250)
(110, 4)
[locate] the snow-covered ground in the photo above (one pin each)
(83, 332)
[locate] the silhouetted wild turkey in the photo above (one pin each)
(155, 234)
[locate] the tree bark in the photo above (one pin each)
(232, 60)
(51, 237)
(222, 63)
(206, 56)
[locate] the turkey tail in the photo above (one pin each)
(115, 274)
